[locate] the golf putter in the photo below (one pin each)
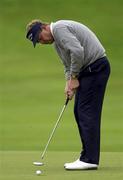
(52, 133)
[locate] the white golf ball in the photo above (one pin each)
(38, 172)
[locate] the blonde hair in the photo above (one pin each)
(33, 22)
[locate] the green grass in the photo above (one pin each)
(32, 91)
(32, 80)
(18, 165)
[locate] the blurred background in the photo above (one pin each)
(32, 80)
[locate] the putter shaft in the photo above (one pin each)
(57, 122)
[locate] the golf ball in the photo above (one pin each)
(38, 172)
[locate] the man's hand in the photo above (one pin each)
(71, 86)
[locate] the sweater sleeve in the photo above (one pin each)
(70, 44)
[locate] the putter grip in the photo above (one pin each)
(67, 100)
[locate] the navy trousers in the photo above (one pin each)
(88, 106)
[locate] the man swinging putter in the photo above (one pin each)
(87, 70)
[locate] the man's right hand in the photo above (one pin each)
(70, 88)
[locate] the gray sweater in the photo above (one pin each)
(76, 45)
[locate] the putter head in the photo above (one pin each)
(38, 163)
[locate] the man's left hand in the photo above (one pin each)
(71, 87)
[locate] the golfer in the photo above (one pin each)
(87, 71)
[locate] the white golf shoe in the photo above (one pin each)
(80, 165)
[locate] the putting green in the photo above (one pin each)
(32, 92)
(32, 80)
(17, 165)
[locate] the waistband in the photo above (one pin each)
(95, 65)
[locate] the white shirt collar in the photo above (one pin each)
(51, 28)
